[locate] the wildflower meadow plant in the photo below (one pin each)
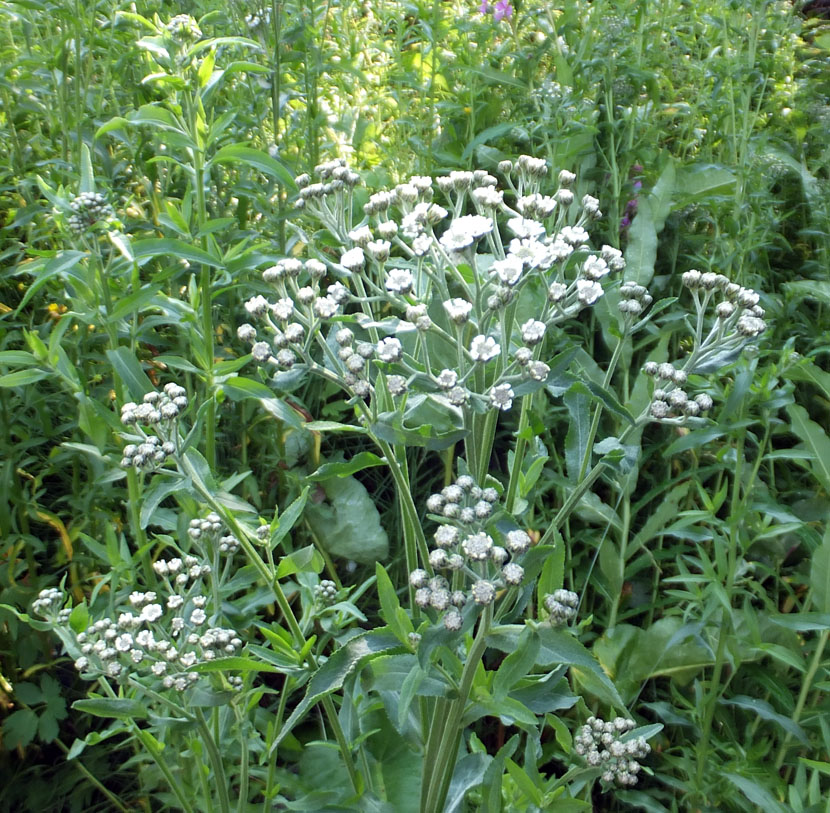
(440, 309)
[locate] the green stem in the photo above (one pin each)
(434, 792)
(806, 685)
(215, 760)
(518, 455)
(345, 750)
(150, 746)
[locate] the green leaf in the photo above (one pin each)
(389, 602)
(348, 523)
(820, 576)
(288, 518)
(159, 490)
(333, 426)
(22, 378)
(516, 665)
(120, 708)
(815, 440)
(233, 664)
(331, 676)
(19, 728)
(802, 622)
(128, 369)
(766, 712)
(87, 184)
(363, 460)
(28, 693)
(60, 264)
(304, 560)
(169, 247)
(468, 773)
(556, 647)
(238, 388)
(578, 402)
(756, 793)
(239, 154)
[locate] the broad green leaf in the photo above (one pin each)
(61, 263)
(87, 184)
(755, 792)
(159, 490)
(233, 664)
(469, 773)
(261, 161)
(288, 518)
(333, 426)
(19, 728)
(802, 622)
(118, 708)
(820, 576)
(360, 461)
(331, 676)
(766, 712)
(517, 664)
(304, 560)
(348, 524)
(578, 401)
(169, 247)
(238, 388)
(389, 603)
(22, 378)
(816, 441)
(128, 369)
(556, 647)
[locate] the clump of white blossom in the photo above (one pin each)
(468, 564)
(88, 208)
(738, 319)
(160, 411)
(561, 605)
(604, 745)
(155, 636)
(434, 263)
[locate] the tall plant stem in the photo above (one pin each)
(150, 746)
(726, 625)
(269, 576)
(434, 791)
(415, 543)
(518, 455)
(806, 685)
(215, 760)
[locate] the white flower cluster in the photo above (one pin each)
(207, 533)
(453, 273)
(561, 604)
(294, 318)
(738, 320)
(87, 209)
(49, 604)
(326, 592)
(466, 551)
(157, 637)
(602, 745)
(184, 27)
(739, 316)
(670, 402)
(160, 410)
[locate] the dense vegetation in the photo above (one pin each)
(414, 406)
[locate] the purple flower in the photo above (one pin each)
(484, 8)
(502, 10)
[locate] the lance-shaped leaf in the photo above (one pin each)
(333, 673)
